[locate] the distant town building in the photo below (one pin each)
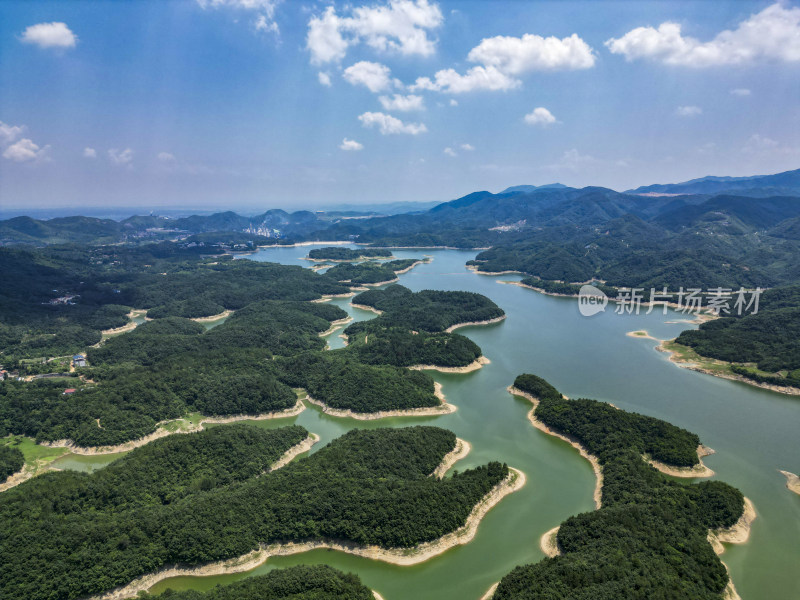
(70, 391)
(79, 360)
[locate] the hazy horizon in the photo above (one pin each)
(263, 104)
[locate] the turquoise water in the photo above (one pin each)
(754, 432)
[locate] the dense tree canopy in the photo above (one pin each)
(366, 487)
(303, 582)
(649, 538)
(11, 461)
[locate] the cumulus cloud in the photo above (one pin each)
(120, 157)
(467, 147)
(540, 116)
(164, 157)
(9, 133)
(514, 56)
(453, 102)
(770, 35)
(400, 25)
(387, 124)
(476, 78)
(688, 111)
(502, 59)
(402, 103)
(450, 152)
(25, 150)
(374, 76)
(89, 152)
(325, 78)
(49, 35)
(740, 92)
(264, 9)
(351, 145)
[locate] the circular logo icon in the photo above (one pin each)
(591, 300)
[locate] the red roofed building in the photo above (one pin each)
(70, 391)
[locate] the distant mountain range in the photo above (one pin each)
(780, 184)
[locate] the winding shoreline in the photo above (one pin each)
(335, 325)
(698, 470)
(473, 366)
(738, 533)
(792, 481)
(162, 432)
(397, 556)
(693, 366)
(598, 471)
(295, 451)
(461, 450)
(452, 328)
(444, 408)
(224, 314)
(365, 307)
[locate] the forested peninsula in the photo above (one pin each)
(649, 537)
(303, 582)
(194, 499)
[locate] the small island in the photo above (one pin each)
(339, 254)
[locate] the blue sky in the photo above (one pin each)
(257, 104)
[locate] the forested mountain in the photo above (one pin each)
(787, 182)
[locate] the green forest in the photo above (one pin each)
(303, 582)
(11, 461)
(347, 254)
(770, 338)
(649, 538)
(69, 535)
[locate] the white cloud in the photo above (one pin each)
(402, 103)
(740, 92)
(387, 124)
(325, 78)
(373, 76)
(514, 56)
(467, 147)
(25, 150)
(265, 21)
(120, 157)
(399, 25)
(351, 145)
(771, 35)
(163, 157)
(453, 102)
(540, 116)
(9, 133)
(89, 153)
(50, 35)
(450, 152)
(476, 78)
(688, 111)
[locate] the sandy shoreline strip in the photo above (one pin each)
(473, 366)
(549, 542)
(224, 314)
(461, 449)
(693, 366)
(130, 325)
(490, 592)
(698, 470)
(295, 451)
(162, 432)
(423, 261)
(335, 325)
(365, 307)
(452, 328)
(598, 471)
(397, 556)
(428, 411)
(738, 533)
(792, 481)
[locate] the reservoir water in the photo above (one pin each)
(754, 433)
